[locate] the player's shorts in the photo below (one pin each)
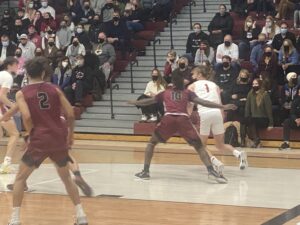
(211, 121)
(182, 125)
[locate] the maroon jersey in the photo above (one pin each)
(49, 131)
(175, 101)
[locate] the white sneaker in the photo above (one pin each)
(144, 118)
(243, 160)
(81, 221)
(18, 223)
(6, 169)
(153, 118)
(218, 165)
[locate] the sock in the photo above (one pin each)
(146, 168)
(236, 153)
(15, 216)
(7, 160)
(79, 211)
(215, 161)
(77, 173)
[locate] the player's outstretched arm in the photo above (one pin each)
(143, 102)
(23, 107)
(3, 97)
(213, 105)
(12, 111)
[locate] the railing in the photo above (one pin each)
(172, 20)
(132, 63)
(112, 87)
(204, 6)
(154, 51)
(192, 3)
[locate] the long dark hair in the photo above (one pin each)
(160, 81)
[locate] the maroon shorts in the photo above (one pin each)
(182, 125)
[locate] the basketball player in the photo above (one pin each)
(10, 66)
(212, 118)
(49, 136)
(73, 165)
(176, 119)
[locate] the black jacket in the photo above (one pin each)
(295, 109)
(11, 48)
(253, 36)
(193, 42)
(120, 31)
(278, 40)
(84, 74)
(84, 39)
(224, 23)
(225, 79)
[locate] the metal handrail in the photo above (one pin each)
(132, 63)
(192, 3)
(172, 20)
(204, 6)
(154, 50)
(112, 87)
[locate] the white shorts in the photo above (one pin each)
(211, 121)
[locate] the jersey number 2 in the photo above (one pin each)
(43, 100)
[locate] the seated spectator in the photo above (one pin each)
(7, 48)
(194, 39)
(34, 37)
(24, 18)
(51, 50)
(97, 5)
(107, 11)
(95, 29)
(258, 51)
(49, 34)
(81, 82)
(284, 34)
(37, 21)
(27, 47)
(21, 60)
(154, 87)
(106, 54)
(75, 49)
(262, 7)
(227, 48)
(270, 29)
(161, 10)
(83, 37)
(38, 52)
(118, 34)
(60, 6)
(225, 76)
(258, 112)
(7, 21)
(291, 123)
(239, 7)
(204, 53)
(268, 64)
(30, 11)
(76, 11)
(47, 8)
(17, 31)
(70, 24)
(184, 70)
(62, 73)
(133, 17)
(249, 37)
(221, 24)
(170, 65)
(285, 8)
(64, 35)
(297, 14)
(48, 22)
(88, 13)
(239, 95)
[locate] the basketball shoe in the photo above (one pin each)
(81, 221)
(143, 175)
(217, 164)
(6, 169)
(217, 176)
(243, 160)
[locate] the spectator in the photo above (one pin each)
(270, 29)
(83, 37)
(95, 29)
(194, 39)
(37, 21)
(17, 31)
(249, 37)
(106, 54)
(81, 82)
(107, 11)
(204, 53)
(297, 14)
(7, 20)
(288, 55)
(154, 87)
(38, 52)
(62, 73)
(258, 111)
(24, 18)
(227, 48)
(27, 47)
(70, 24)
(118, 34)
(76, 10)
(48, 23)
(88, 13)
(285, 8)
(262, 7)
(293, 122)
(30, 10)
(225, 76)
(221, 24)
(7, 48)
(97, 5)
(239, 7)
(64, 35)
(49, 33)
(267, 65)
(75, 49)
(184, 70)
(258, 51)
(170, 65)
(21, 60)
(46, 8)
(284, 34)
(34, 37)
(161, 10)
(133, 16)
(60, 6)
(51, 50)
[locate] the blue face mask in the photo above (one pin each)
(283, 30)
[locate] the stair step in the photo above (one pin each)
(105, 123)
(121, 97)
(107, 103)
(103, 130)
(144, 80)
(108, 116)
(125, 110)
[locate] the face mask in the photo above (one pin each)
(249, 24)
(51, 44)
(283, 30)
(181, 65)
(18, 26)
(5, 43)
(116, 19)
(261, 42)
(244, 79)
(86, 6)
(197, 30)
(50, 32)
(294, 81)
(154, 78)
(109, 5)
(79, 30)
(18, 54)
(202, 48)
(268, 24)
(101, 40)
(172, 60)
(268, 54)
(255, 88)
(30, 5)
(226, 64)
(64, 64)
(75, 43)
(38, 54)
(286, 48)
(227, 43)
(44, 4)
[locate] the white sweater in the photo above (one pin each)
(232, 51)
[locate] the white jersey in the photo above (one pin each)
(207, 90)
(6, 80)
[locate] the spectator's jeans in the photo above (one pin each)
(75, 96)
(254, 124)
(245, 48)
(153, 109)
(134, 26)
(288, 124)
(296, 18)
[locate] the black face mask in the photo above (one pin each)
(38, 54)
(51, 44)
(286, 48)
(227, 43)
(262, 42)
(226, 64)
(86, 7)
(172, 60)
(109, 5)
(50, 32)
(182, 65)
(75, 43)
(244, 79)
(255, 88)
(268, 54)
(294, 81)
(154, 78)
(116, 19)
(18, 54)
(101, 40)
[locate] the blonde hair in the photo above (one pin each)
(291, 46)
(247, 20)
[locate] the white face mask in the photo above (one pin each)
(30, 5)
(79, 30)
(64, 64)
(44, 4)
(197, 30)
(268, 24)
(249, 24)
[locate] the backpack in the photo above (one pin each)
(231, 136)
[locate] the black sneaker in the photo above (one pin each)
(143, 175)
(284, 146)
(217, 176)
